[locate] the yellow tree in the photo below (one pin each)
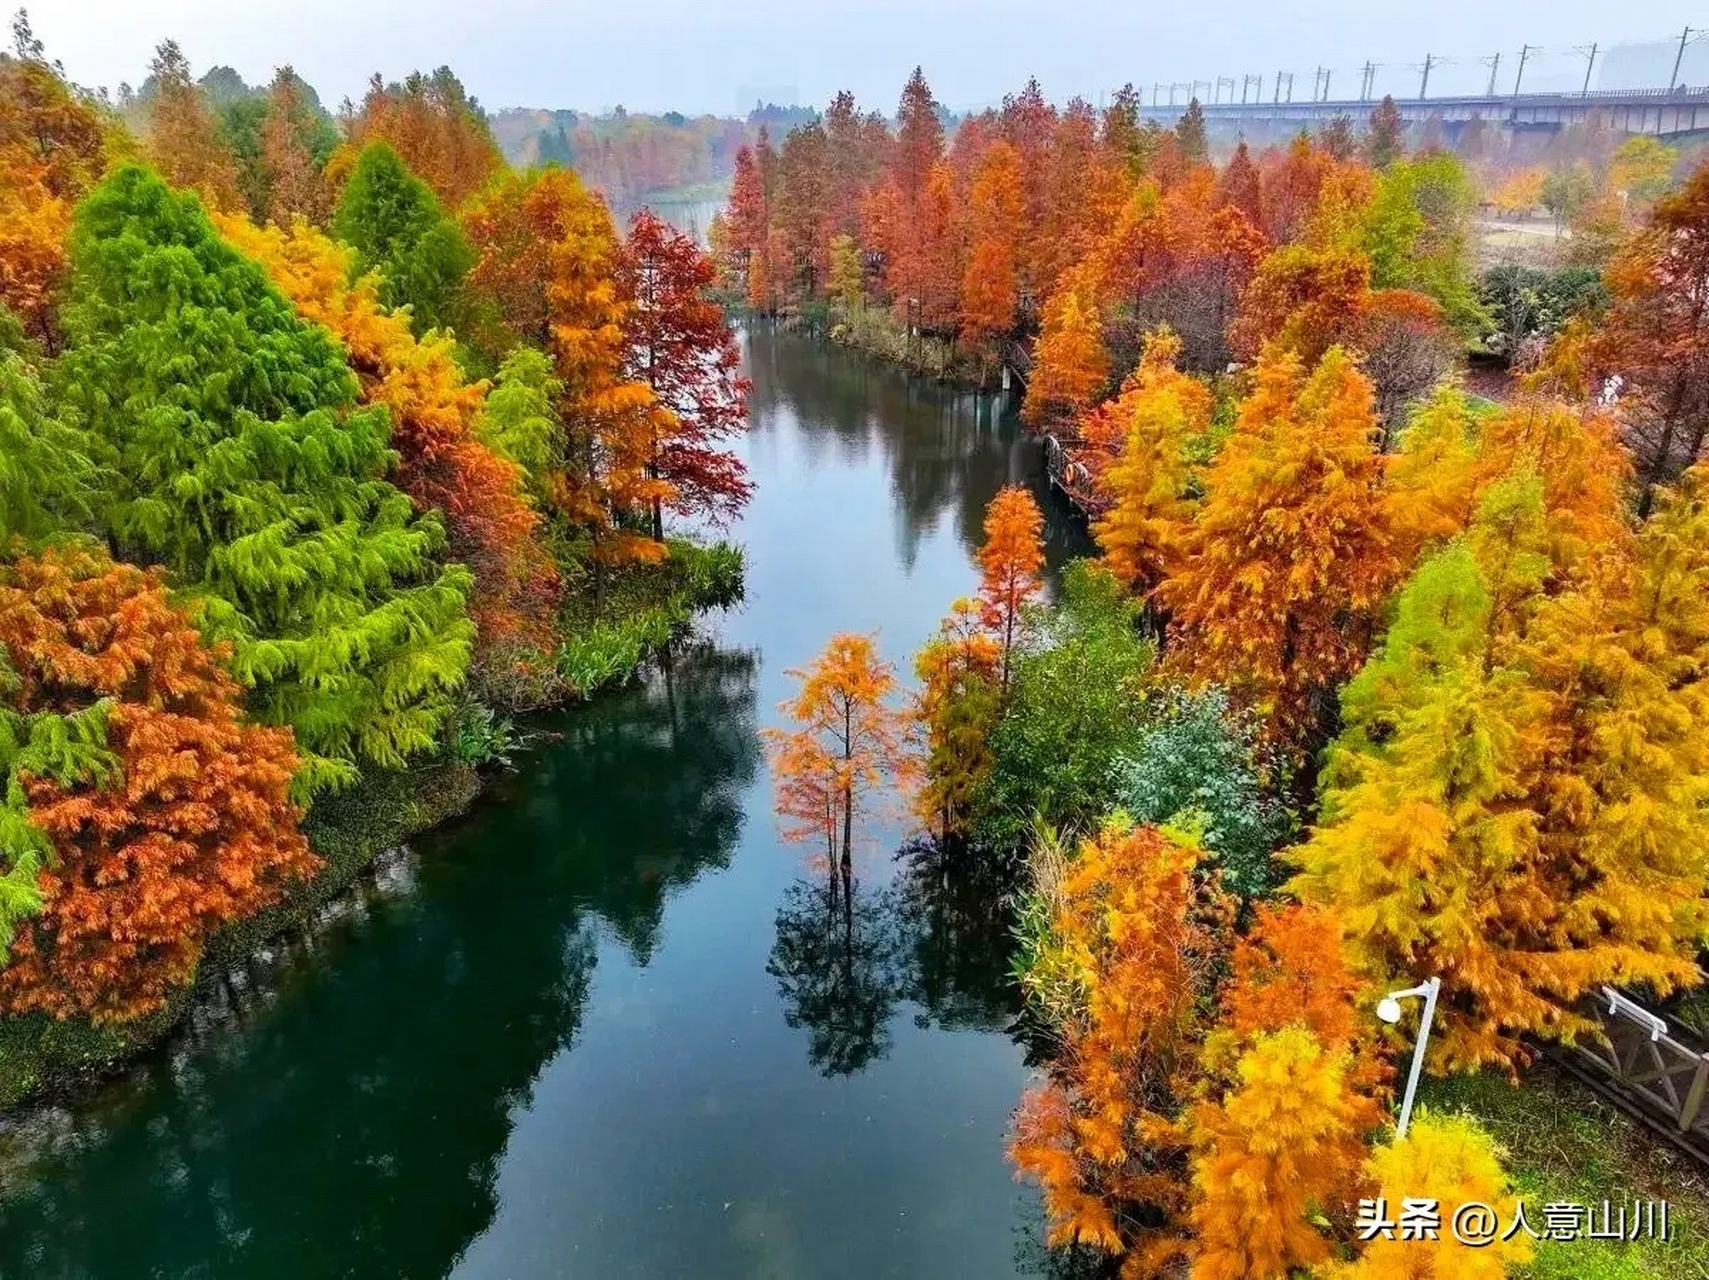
(956, 709)
(53, 148)
(1517, 802)
(1270, 1164)
(1291, 555)
(847, 742)
(1431, 484)
(1009, 564)
(1451, 1161)
(1576, 453)
(1070, 365)
(1283, 1144)
(1147, 488)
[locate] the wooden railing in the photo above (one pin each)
(1070, 477)
(1655, 1070)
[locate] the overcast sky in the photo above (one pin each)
(718, 55)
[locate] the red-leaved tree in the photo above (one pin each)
(680, 345)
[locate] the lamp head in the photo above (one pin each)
(1388, 1009)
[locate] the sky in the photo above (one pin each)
(720, 55)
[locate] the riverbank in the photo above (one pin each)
(874, 331)
(646, 609)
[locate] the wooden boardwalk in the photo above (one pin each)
(1071, 479)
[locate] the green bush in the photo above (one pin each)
(1077, 710)
(646, 611)
(1200, 765)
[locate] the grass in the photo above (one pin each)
(1564, 1143)
(644, 608)
(875, 329)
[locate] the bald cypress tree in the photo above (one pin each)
(240, 462)
(397, 227)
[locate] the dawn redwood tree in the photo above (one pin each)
(1147, 486)
(1009, 563)
(955, 711)
(548, 262)
(1405, 347)
(1305, 298)
(1432, 480)
(295, 186)
(919, 138)
(848, 742)
(1385, 140)
(1269, 1156)
(801, 215)
(1240, 186)
(164, 815)
(1290, 557)
(1448, 1159)
(1190, 134)
(395, 224)
(1103, 1135)
(437, 130)
(678, 342)
(1655, 335)
(990, 286)
(1070, 365)
(1516, 799)
(241, 462)
(442, 465)
(53, 148)
(182, 140)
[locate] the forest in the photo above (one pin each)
(1374, 679)
(332, 445)
(326, 451)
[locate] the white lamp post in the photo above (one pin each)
(1388, 1009)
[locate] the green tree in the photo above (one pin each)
(1076, 710)
(397, 227)
(44, 467)
(1418, 234)
(1566, 191)
(1385, 142)
(239, 461)
(1199, 765)
(1190, 133)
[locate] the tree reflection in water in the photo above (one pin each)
(839, 964)
(355, 1123)
(847, 954)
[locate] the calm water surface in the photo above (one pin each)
(605, 1026)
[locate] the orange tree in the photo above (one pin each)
(1009, 564)
(164, 814)
(1290, 557)
(848, 741)
(547, 260)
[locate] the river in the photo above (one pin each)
(602, 1026)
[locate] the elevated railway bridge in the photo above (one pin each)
(1664, 113)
